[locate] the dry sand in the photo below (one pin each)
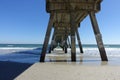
(71, 71)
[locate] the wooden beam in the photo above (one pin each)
(61, 6)
(47, 37)
(73, 27)
(79, 42)
(98, 36)
(82, 15)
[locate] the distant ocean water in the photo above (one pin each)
(30, 53)
(21, 45)
(40, 46)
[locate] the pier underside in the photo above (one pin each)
(65, 19)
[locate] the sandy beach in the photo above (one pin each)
(58, 66)
(70, 71)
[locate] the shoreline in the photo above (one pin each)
(11, 70)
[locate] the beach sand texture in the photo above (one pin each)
(58, 66)
(70, 71)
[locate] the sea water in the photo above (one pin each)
(24, 53)
(30, 53)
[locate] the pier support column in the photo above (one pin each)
(73, 42)
(69, 42)
(47, 37)
(98, 36)
(52, 42)
(79, 42)
(65, 46)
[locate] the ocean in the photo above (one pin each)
(30, 53)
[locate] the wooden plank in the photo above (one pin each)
(98, 36)
(47, 37)
(73, 1)
(53, 5)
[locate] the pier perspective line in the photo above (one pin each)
(65, 18)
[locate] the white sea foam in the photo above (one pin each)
(30, 55)
(111, 52)
(16, 48)
(9, 50)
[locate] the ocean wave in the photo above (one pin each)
(31, 55)
(18, 47)
(9, 50)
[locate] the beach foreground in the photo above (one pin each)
(58, 66)
(71, 71)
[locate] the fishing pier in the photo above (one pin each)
(65, 18)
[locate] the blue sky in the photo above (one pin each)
(25, 21)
